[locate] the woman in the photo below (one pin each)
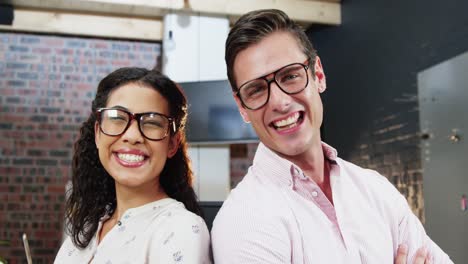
(132, 200)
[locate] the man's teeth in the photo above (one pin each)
(130, 157)
(290, 121)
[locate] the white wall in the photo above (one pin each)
(210, 165)
(193, 47)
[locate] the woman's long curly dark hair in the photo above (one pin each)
(93, 192)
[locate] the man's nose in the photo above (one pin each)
(279, 100)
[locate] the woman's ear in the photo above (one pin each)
(320, 79)
(96, 134)
(174, 143)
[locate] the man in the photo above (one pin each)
(299, 202)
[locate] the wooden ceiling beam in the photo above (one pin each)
(79, 24)
(305, 11)
(142, 19)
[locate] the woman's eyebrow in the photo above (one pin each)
(119, 107)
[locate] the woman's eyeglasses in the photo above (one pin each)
(152, 125)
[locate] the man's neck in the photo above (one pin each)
(311, 162)
(315, 165)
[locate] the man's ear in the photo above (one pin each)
(320, 79)
(174, 142)
(241, 108)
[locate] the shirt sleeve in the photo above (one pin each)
(61, 257)
(69, 253)
(246, 236)
(411, 232)
(186, 240)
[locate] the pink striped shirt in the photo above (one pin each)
(276, 214)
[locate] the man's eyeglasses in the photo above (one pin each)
(153, 126)
(291, 79)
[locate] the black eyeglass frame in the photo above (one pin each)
(137, 117)
(306, 68)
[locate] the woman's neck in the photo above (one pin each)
(135, 197)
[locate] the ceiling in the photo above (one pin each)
(142, 19)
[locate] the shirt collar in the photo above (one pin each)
(152, 206)
(280, 170)
(329, 152)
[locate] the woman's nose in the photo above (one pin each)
(133, 133)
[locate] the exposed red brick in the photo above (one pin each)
(44, 110)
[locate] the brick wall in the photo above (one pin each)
(390, 144)
(47, 84)
(241, 158)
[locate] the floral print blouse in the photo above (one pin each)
(158, 232)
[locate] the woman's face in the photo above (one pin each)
(131, 159)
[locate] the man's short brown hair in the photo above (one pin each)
(252, 27)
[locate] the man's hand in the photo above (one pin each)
(422, 257)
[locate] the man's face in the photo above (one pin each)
(287, 124)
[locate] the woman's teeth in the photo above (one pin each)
(130, 157)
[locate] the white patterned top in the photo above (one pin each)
(158, 232)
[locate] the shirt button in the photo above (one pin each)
(296, 171)
(314, 194)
